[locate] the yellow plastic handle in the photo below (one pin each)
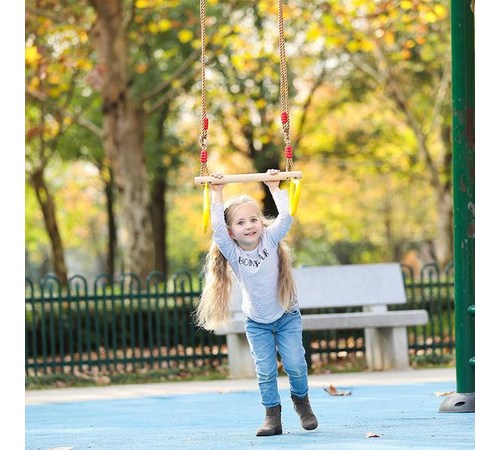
(294, 194)
(206, 207)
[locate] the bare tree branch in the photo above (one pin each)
(403, 106)
(167, 83)
(306, 106)
(79, 119)
(440, 96)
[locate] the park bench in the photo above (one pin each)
(371, 286)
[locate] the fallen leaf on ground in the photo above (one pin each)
(332, 390)
(370, 434)
(443, 394)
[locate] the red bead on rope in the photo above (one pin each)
(205, 123)
(288, 152)
(203, 156)
(284, 117)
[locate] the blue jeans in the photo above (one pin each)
(284, 336)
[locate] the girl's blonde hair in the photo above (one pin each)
(213, 308)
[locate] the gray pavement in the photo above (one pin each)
(400, 407)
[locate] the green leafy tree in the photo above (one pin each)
(399, 56)
(51, 68)
(138, 57)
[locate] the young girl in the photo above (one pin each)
(253, 248)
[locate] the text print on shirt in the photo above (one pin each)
(253, 262)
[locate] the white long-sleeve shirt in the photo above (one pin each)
(256, 270)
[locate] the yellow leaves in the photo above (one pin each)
(225, 29)
(142, 4)
(430, 17)
(313, 33)
(52, 128)
(410, 43)
(389, 38)
(164, 25)
(34, 83)
(367, 45)
(440, 11)
(185, 36)
(406, 4)
(54, 92)
(336, 40)
(244, 62)
(159, 27)
(31, 55)
(260, 104)
(353, 46)
(265, 139)
(153, 28)
(83, 36)
(406, 18)
(363, 45)
(54, 78)
(84, 64)
(431, 12)
(328, 22)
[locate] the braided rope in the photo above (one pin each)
(285, 113)
(204, 119)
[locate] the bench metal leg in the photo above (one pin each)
(241, 363)
(387, 348)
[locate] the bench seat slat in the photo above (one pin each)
(346, 321)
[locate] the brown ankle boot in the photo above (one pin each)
(272, 422)
(303, 409)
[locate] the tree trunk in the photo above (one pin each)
(158, 214)
(123, 131)
(387, 212)
(158, 193)
(267, 158)
(48, 208)
(110, 200)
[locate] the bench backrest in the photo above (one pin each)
(341, 286)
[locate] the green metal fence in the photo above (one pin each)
(123, 325)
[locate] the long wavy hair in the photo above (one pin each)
(213, 308)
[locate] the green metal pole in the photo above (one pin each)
(463, 107)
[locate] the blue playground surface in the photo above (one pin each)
(404, 416)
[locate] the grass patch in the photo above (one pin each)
(62, 380)
(432, 361)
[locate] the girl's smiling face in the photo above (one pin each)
(246, 226)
